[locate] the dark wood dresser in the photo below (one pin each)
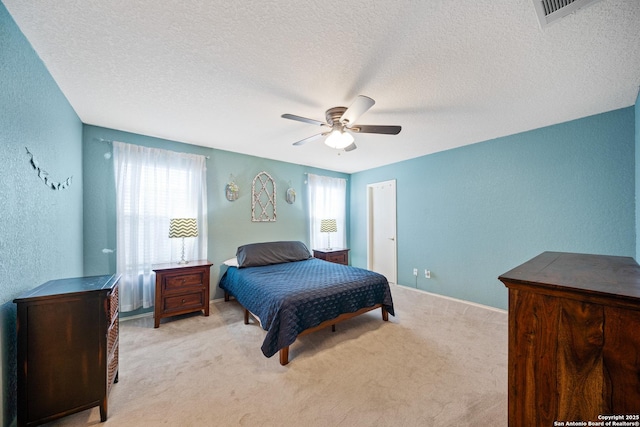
(574, 339)
(67, 337)
(337, 255)
(181, 288)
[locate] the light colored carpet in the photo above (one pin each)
(439, 362)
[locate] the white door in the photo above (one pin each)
(381, 229)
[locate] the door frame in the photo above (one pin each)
(370, 188)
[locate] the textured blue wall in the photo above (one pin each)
(472, 213)
(41, 232)
(468, 214)
(230, 223)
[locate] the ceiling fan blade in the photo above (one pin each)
(311, 138)
(360, 106)
(387, 130)
(303, 119)
(350, 147)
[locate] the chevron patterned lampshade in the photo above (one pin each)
(328, 226)
(183, 227)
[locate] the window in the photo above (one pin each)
(327, 200)
(153, 186)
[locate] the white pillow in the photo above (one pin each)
(231, 262)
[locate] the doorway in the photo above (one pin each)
(381, 229)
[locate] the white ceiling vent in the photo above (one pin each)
(550, 11)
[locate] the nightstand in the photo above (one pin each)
(181, 288)
(337, 255)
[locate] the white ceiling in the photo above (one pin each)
(220, 73)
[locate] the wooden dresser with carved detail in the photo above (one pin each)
(181, 289)
(574, 338)
(67, 336)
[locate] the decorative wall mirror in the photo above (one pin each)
(263, 198)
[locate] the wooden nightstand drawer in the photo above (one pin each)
(183, 281)
(338, 256)
(182, 302)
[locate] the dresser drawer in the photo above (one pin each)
(112, 369)
(112, 336)
(112, 307)
(183, 302)
(182, 281)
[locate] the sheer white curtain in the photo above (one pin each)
(153, 186)
(327, 200)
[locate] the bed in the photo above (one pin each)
(291, 293)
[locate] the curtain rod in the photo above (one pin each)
(110, 141)
(346, 179)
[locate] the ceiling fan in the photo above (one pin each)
(341, 122)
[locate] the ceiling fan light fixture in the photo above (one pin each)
(339, 140)
(340, 120)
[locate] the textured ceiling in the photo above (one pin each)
(220, 73)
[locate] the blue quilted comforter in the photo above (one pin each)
(293, 296)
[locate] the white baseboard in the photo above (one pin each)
(474, 304)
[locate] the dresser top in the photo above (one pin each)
(64, 287)
(602, 275)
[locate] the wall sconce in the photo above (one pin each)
(290, 195)
(231, 190)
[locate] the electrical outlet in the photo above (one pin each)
(415, 271)
(427, 274)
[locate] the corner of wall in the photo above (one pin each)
(637, 171)
(42, 234)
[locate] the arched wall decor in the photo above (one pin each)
(263, 198)
(44, 175)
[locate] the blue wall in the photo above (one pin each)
(467, 214)
(472, 213)
(41, 232)
(230, 223)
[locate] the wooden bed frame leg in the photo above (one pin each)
(385, 314)
(226, 296)
(246, 316)
(284, 355)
